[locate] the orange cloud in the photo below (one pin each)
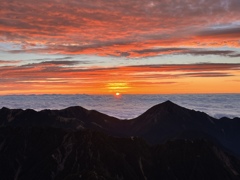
(118, 28)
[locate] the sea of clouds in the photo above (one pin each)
(128, 106)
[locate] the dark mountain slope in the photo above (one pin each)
(56, 154)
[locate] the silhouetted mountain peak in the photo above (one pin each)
(168, 106)
(75, 109)
(168, 102)
(4, 108)
(169, 120)
(165, 109)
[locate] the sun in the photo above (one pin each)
(117, 94)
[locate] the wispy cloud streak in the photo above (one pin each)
(58, 69)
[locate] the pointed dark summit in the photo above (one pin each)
(168, 106)
(168, 103)
(165, 107)
(166, 112)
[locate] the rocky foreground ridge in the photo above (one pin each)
(165, 142)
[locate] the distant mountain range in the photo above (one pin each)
(165, 142)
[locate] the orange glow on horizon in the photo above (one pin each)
(159, 79)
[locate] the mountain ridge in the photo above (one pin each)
(160, 123)
(165, 142)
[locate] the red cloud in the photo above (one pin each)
(118, 28)
(57, 69)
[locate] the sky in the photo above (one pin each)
(125, 46)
